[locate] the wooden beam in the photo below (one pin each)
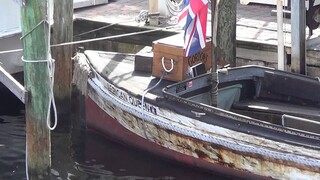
(35, 39)
(62, 31)
(13, 85)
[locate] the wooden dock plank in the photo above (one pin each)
(13, 85)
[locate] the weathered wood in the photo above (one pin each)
(171, 48)
(143, 60)
(13, 85)
(63, 32)
(35, 45)
(224, 32)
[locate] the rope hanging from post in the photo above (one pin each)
(51, 69)
(50, 65)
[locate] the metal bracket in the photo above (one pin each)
(198, 114)
(21, 2)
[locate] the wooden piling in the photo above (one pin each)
(35, 48)
(224, 31)
(62, 31)
(153, 6)
(223, 22)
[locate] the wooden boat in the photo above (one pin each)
(266, 124)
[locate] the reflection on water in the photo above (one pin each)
(77, 154)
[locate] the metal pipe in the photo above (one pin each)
(280, 35)
(298, 36)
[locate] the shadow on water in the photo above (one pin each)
(81, 154)
(9, 105)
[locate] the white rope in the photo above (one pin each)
(164, 67)
(149, 89)
(106, 38)
(51, 70)
(11, 51)
(173, 7)
(97, 29)
(94, 39)
(33, 29)
(34, 61)
(143, 16)
(142, 103)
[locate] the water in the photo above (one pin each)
(80, 154)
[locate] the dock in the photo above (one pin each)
(130, 26)
(256, 31)
(256, 34)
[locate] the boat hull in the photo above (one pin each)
(116, 122)
(101, 122)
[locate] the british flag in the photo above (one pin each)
(194, 19)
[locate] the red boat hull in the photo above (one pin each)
(99, 121)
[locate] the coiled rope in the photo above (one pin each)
(173, 7)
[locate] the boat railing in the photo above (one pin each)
(300, 123)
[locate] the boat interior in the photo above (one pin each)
(282, 98)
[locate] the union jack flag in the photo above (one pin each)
(194, 19)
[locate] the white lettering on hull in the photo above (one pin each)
(125, 97)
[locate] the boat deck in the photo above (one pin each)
(119, 68)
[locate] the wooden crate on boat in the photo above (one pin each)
(172, 48)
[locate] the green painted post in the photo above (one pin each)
(35, 48)
(62, 31)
